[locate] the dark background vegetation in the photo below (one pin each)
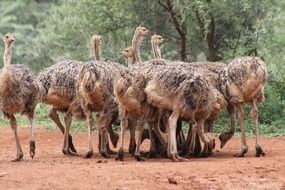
(215, 30)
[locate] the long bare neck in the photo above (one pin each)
(132, 60)
(156, 50)
(7, 57)
(97, 51)
(136, 44)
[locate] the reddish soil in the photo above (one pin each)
(50, 169)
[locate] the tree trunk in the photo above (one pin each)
(179, 26)
(212, 54)
(210, 37)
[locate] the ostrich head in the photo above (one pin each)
(96, 39)
(141, 31)
(128, 52)
(9, 38)
(157, 39)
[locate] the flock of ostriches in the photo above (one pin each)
(159, 94)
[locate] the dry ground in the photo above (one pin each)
(50, 169)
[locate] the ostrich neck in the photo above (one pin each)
(132, 60)
(156, 50)
(7, 57)
(97, 52)
(136, 43)
(6, 76)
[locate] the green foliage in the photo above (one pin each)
(71, 25)
(21, 17)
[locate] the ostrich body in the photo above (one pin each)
(18, 94)
(57, 88)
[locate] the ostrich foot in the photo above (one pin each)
(139, 158)
(259, 151)
(242, 152)
(207, 151)
(89, 154)
(32, 149)
(176, 158)
(149, 154)
(152, 154)
(120, 155)
(67, 152)
(111, 152)
(224, 138)
(18, 157)
(192, 154)
(203, 154)
(105, 154)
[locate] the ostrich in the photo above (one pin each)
(129, 54)
(94, 88)
(185, 92)
(132, 103)
(133, 55)
(156, 40)
(242, 82)
(96, 43)
(18, 94)
(210, 71)
(129, 109)
(57, 88)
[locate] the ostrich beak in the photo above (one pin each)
(12, 39)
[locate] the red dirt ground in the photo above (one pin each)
(50, 169)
